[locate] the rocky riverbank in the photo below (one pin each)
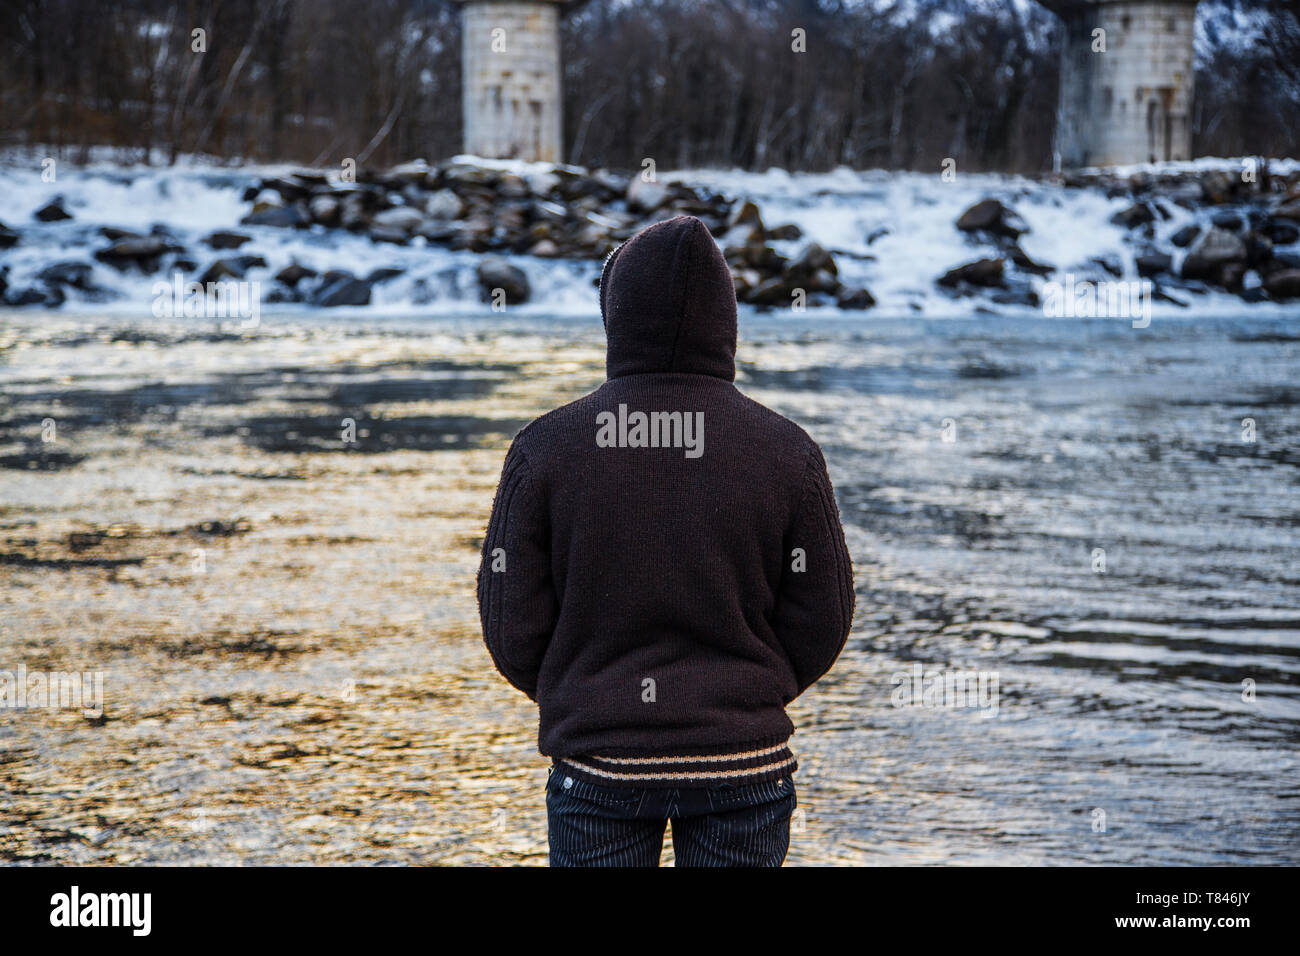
(1194, 230)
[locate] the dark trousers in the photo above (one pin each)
(742, 825)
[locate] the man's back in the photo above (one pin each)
(665, 569)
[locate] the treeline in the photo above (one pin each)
(687, 82)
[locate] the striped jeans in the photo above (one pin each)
(591, 825)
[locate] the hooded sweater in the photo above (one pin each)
(664, 568)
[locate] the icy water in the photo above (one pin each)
(288, 637)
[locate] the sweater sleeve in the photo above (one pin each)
(814, 607)
(516, 596)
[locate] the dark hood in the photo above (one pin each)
(668, 303)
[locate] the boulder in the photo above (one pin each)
(231, 267)
(1283, 284)
(854, 298)
(142, 251)
(1138, 214)
(77, 275)
(383, 274)
(444, 204)
(495, 273)
(1215, 249)
(810, 259)
(992, 217)
(52, 211)
(342, 289)
(284, 217)
(323, 209)
(788, 231)
(1023, 261)
(1281, 232)
(987, 273)
(8, 238)
(226, 240)
(294, 273)
(1153, 264)
(401, 218)
(391, 234)
(114, 233)
(645, 196)
(1185, 236)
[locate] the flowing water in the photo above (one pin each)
(1099, 522)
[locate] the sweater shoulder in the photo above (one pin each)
(540, 435)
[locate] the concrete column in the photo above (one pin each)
(511, 79)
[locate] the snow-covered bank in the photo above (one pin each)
(892, 233)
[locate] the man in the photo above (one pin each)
(663, 572)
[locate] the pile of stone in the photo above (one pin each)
(552, 212)
(1245, 222)
(1004, 278)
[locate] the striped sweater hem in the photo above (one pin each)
(737, 767)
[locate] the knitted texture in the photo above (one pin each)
(663, 587)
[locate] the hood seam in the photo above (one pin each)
(685, 287)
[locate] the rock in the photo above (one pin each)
(1218, 186)
(437, 230)
(1211, 253)
(1185, 236)
(34, 296)
(1023, 261)
(294, 273)
(283, 217)
(232, 267)
(342, 289)
(143, 251)
(1020, 294)
(114, 233)
(1288, 210)
(1138, 214)
(292, 188)
(745, 214)
(812, 258)
(323, 209)
(991, 216)
(402, 218)
(383, 274)
(1109, 264)
(512, 186)
(1231, 275)
(1258, 248)
(773, 291)
(1283, 284)
(227, 240)
(444, 204)
(77, 275)
(789, 231)
(645, 196)
(52, 211)
(1153, 263)
(854, 299)
(391, 234)
(540, 182)
(545, 249)
(1230, 221)
(987, 273)
(1279, 231)
(495, 273)
(8, 238)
